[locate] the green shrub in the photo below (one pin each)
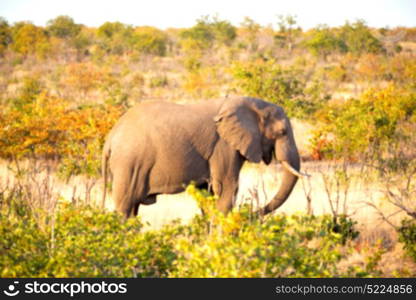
(342, 225)
(243, 245)
(158, 81)
(368, 125)
(287, 31)
(82, 241)
(63, 27)
(115, 37)
(209, 30)
(407, 235)
(359, 39)
(150, 40)
(90, 242)
(270, 81)
(323, 41)
(239, 246)
(5, 35)
(30, 39)
(23, 244)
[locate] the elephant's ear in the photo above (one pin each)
(237, 124)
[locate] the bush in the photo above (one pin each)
(209, 30)
(323, 41)
(342, 225)
(63, 27)
(89, 242)
(82, 241)
(407, 235)
(359, 39)
(402, 69)
(203, 82)
(43, 126)
(150, 40)
(295, 246)
(371, 67)
(83, 77)
(243, 245)
(5, 35)
(249, 31)
(30, 39)
(23, 245)
(115, 37)
(270, 81)
(367, 125)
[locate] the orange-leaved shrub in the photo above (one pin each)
(46, 126)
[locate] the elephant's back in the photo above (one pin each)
(164, 126)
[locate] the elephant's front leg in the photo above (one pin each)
(225, 166)
(226, 191)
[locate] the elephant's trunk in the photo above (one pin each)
(286, 152)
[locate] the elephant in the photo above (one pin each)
(160, 147)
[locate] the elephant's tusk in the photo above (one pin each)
(293, 171)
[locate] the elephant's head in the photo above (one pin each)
(257, 129)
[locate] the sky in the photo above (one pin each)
(183, 13)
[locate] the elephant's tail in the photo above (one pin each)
(104, 171)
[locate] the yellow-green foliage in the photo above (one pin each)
(407, 233)
(208, 31)
(82, 241)
(268, 80)
(115, 37)
(201, 83)
(63, 27)
(150, 40)
(403, 68)
(5, 35)
(23, 247)
(372, 123)
(359, 39)
(322, 41)
(30, 39)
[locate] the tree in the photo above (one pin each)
(85, 38)
(30, 39)
(115, 37)
(359, 39)
(224, 31)
(201, 33)
(323, 41)
(5, 35)
(209, 30)
(63, 27)
(111, 29)
(150, 40)
(287, 31)
(250, 30)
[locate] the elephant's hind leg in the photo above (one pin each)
(122, 199)
(128, 190)
(135, 209)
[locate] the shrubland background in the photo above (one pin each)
(350, 92)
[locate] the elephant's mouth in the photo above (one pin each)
(267, 156)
